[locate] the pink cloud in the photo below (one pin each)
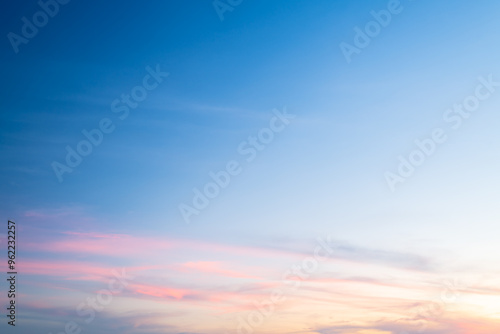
(102, 244)
(159, 291)
(65, 269)
(473, 325)
(211, 267)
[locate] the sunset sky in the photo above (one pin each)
(201, 167)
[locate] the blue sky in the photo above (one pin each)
(322, 175)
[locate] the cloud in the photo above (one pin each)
(212, 267)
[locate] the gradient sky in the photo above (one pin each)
(396, 255)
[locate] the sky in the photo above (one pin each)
(237, 166)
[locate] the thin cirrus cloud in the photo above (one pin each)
(460, 324)
(208, 277)
(214, 268)
(134, 248)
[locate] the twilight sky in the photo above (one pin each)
(274, 167)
